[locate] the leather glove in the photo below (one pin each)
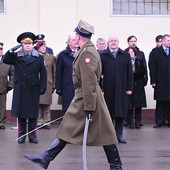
(88, 114)
(15, 48)
(58, 92)
(42, 91)
(9, 88)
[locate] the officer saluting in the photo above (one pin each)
(30, 81)
(88, 99)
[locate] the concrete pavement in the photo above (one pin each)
(147, 149)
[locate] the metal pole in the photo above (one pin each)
(15, 128)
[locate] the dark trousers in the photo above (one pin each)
(3, 115)
(22, 126)
(162, 112)
(119, 127)
(137, 115)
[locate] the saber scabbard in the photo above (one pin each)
(85, 143)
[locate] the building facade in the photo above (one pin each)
(57, 19)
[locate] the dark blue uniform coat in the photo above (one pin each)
(29, 77)
(63, 81)
(159, 65)
(118, 78)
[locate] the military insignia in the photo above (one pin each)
(87, 60)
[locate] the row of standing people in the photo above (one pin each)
(121, 74)
(137, 100)
(65, 88)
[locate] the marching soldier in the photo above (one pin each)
(88, 100)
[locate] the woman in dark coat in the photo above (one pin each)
(138, 98)
(30, 81)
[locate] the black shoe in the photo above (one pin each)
(140, 124)
(168, 124)
(2, 126)
(137, 127)
(39, 159)
(157, 126)
(132, 126)
(46, 127)
(126, 124)
(33, 140)
(122, 140)
(117, 167)
(21, 140)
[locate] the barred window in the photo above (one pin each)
(2, 6)
(140, 7)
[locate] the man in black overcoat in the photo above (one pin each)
(63, 77)
(159, 66)
(117, 83)
(30, 81)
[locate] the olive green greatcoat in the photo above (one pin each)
(49, 61)
(6, 77)
(86, 73)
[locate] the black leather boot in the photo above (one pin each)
(113, 157)
(52, 151)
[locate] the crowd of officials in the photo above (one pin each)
(32, 70)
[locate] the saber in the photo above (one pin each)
(85, 142)
(39, 127)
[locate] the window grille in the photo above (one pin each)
(2, 6)
(140, 7)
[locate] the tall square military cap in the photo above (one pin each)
(84, 29)
(26, 37)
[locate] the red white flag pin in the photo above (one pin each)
(87, 60)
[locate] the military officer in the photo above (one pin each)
(30, 81)
(6, 84)
(88, 100)
(40, 37)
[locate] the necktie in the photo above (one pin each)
(114, 55)
(73, 53)
(167, 51)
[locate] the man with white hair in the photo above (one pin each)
(63, 76)
(117, 83)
